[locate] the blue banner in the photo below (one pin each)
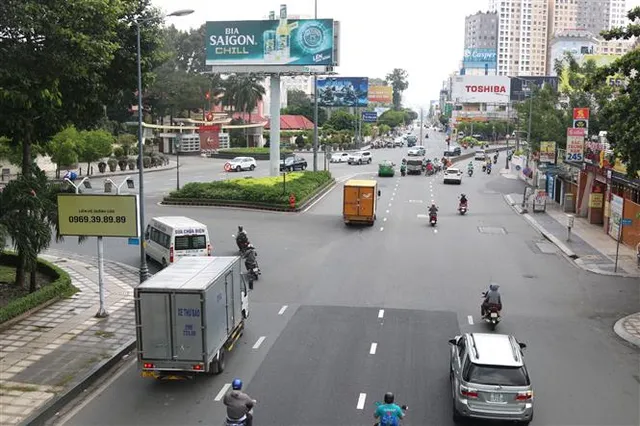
(343, 92)
(369, 116)
(480, 58)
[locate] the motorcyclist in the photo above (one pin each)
(429, 167)
(470, 165)
(463, 200)
(242, 239)
(433, 210)
(491, 298)
(239, 404)
(389, 413)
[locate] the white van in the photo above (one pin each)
(170, 237)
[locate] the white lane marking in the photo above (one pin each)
(381, 313)
(389, 204)
(435, 231)
(387, 211)
(394, 193)
(281, 311)
(381, 228)
(384, 220)
(372, 351)
(361, 400)
(470, 319)
(259, 342)
(71, 414)
(391, 200)
(416, 201)
(224, 390)
(422, 216)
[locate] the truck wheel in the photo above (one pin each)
(219, 362)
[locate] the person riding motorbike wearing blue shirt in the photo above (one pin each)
(470, 165)
(388, 413)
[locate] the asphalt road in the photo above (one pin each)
(329, 292)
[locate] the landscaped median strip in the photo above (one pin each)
(290, 192)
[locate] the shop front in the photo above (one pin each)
(624, 202)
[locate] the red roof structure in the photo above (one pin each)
(294, 122)
(255, 118)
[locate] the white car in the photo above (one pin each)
(480, 155)
(416, 151)
(453, 175)
(241, 163)
(339, 157)
(363, 157)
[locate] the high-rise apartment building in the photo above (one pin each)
(481, 31)
(522, 36)
(593, 16)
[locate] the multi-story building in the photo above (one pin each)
(522, 36)
(481, 31)
(575, 42)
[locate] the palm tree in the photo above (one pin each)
(398, 80)
(248, 92)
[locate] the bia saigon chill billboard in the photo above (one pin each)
(270, 42)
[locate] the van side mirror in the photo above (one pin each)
(379, 193)
(453, 341)
(522, 345)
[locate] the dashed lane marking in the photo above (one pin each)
(381, 313)
(470, 319)
(259, 342)
(384, 220)
(361, 400)
(224, 390)
(281, 311)
(381, 228)
(372, 350)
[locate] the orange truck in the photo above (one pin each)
(360, 200)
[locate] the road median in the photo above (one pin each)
(290, 193)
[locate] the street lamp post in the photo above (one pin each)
(144, 269)
(315, 107)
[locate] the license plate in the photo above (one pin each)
(494, 315)
(151, 374)
(496, 397)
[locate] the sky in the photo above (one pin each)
(426, 38)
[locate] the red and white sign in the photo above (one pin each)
(581, 113)
(492, 89)
(575, 144)
(209, 139)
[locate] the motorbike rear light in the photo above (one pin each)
(148, 365)
(171, 254)
(197, 367)
(209, 249)
(524, 396)
(468, 392)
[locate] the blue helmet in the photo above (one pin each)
(236, 384)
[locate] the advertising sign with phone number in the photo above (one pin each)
(575, 144)
(98, 215)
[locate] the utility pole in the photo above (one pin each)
(421, 125)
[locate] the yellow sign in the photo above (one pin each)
(98, 215)
(381, 94)
(596, 200)
(548, 152)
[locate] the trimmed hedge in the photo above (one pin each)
(265, 190)
(60, 287)
(250, 152)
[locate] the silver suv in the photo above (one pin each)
(489, 379)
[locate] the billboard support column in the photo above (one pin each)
(274, 134)
(315, 123)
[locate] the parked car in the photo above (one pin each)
(241, 163)
(362, 157)
(489, 378)
(416, 151)
(453, 175)
(480, 155)
(339, 157)
(398, 143)
(292, 163)
(453, 151)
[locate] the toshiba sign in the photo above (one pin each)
(481, 89)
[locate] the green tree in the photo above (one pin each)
(548, 122)
(383, 128)
(126, 141)
(398, 79)
(63, 148)
(299, 103)
(342, 120)
(392, 118)
(94, 145)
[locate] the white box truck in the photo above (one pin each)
(189, 315)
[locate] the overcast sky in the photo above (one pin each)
(424, 37)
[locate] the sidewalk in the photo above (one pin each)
(49, 357)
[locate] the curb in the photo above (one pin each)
(50, 409)
(549, 236)
(127, 172)
(618, 328)
(581, 263)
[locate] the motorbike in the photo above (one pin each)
(489, 170)
(242, 244)
(484, 167)
(239, 422)
(251, 264)
(403, 170)
(470, 172)
(405, 408)
(495, 160)
(433, 219)
(462, 208)
(491, 314)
